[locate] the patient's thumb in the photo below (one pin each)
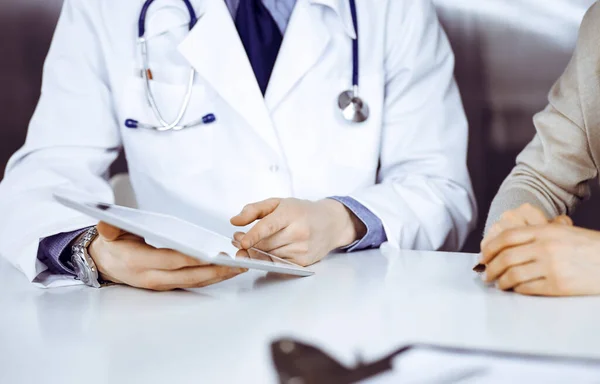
(563, 220)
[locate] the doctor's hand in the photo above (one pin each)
(546, 260)
(124, 258)
(301, 231)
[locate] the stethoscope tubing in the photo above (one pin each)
(355, 48)
(144, 12)
(353, 108)
(204, 120)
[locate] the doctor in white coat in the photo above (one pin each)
(312, 180)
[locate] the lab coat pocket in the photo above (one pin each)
(169, 153)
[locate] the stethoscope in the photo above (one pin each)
(352, 107)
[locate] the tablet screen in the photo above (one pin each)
(159, 229)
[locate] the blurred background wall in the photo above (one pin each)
(509, 53)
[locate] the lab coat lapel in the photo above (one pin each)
(305, 41)
(214, 49)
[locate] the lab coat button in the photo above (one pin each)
(274, 168)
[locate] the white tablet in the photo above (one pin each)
(187, 238)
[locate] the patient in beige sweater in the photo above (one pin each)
(531, 246)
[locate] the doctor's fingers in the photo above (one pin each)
(288, 235)
(109, 232)
(297, 253)
(192, 277)
(265, 228)
(142, 257)
(255, 211)
(237, 239)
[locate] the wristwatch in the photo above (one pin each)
(83, 264)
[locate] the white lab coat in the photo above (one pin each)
(407, 163)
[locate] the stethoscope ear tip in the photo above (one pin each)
(210, 118)
(131, 123)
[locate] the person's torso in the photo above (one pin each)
(292, 142)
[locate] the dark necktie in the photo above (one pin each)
(261, 38)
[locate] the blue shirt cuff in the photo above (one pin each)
(375, 235)
(55, 252)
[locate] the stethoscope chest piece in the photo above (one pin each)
(353, 107)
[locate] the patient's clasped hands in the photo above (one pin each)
(532, 255)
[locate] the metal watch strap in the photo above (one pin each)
(83, 264)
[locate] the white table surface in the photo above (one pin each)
(369, 303)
